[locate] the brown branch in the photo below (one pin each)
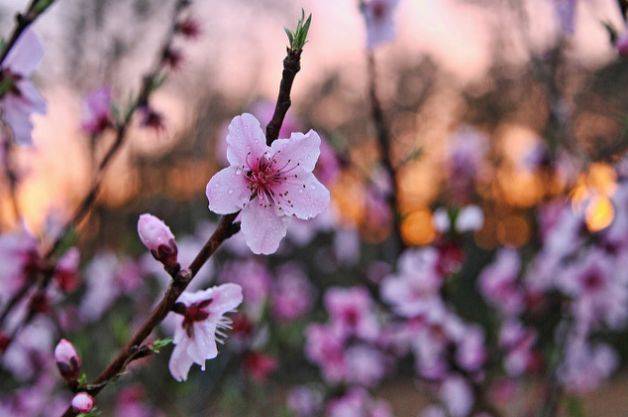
(22, 22)
(291, 66)
(180, 280)
(384, 140)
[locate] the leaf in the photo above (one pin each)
(159, 344)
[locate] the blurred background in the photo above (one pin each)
(538, 114)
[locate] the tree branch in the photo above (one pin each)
(225, 229)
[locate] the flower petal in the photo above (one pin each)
(306, 197)
(225, 297)
(180, 362)
(227, 191)
(245, 141)
(301, 149)
(26, 54)
(262, 228)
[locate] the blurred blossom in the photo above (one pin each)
(260, 365)
(107, 278)
(324, 346)
(366, 366)
(268, 184)
(622, 44)
(97, 116)
(304, 401)
(254, 278)
(457, 395)
(586, 366)
(19, 258)
(347, 246)
(413, 290)
(151, 118)
(66, 274)
(598, 291)
(200, 325)
(433, 411)
(467, 219)
(34, 400)
(499, 283)
(19, 99)
(131, 402)
(380, 21)
(467, 150)
(292, 293)
(328, 167)
(30, 353)
(351, 310)
(518, 342)
(358, 403)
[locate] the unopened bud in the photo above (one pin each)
(83, 402)
(68, 361)
(158, 238)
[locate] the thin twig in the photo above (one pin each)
(384, 139)
(180, 281)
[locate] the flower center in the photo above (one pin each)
(8, 83)
(264, 175)
(193, 313)
(379, 10)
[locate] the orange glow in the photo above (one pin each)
(348, 197)
(417, 228)
(599, 213)
(513, 230)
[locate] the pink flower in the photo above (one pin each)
(586, 366)
(83, 402)
(380, 24)
(518, 343)
(292, 293)
(260, 365)
(366, 366)
(457, 395)
(18, 260)
(304, 401)
(598, 291)
(267, 183)
(328, 166)
(66, 272)
(97, 115)
(498, 283)
(324, 346)
(158, 239)
(131, 403)
(68, 361)
(358, 403)
(414, 288)
(200, 324)
(351, 310)
(254, 278)
(471, 351)
(22, 99)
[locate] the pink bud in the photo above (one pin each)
(622, 44)
(68, 361)
(158, 238)
(83, 402)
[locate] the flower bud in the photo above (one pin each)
(83, 402)
(68, 361)
(622, 44)
(158, 238)
(189, 28)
